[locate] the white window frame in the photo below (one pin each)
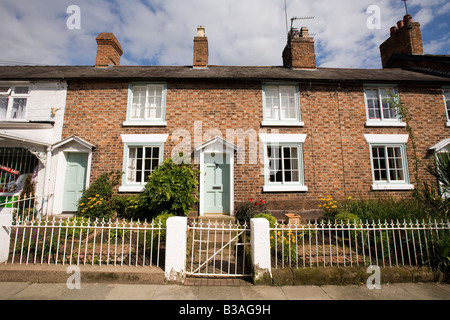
(11, 95)
(446, 91)
(284, 140)
(282, 121)
(146, 121)
(382, 122)
(386, 141)
(139, 141)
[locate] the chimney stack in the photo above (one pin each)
(405, 38)
(200, 49)
(109, 51)
(299, 51)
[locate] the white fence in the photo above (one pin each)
(218, 248)
(82, 242)
(26, 208)
(338, 243)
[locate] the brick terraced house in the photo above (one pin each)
(287, 134)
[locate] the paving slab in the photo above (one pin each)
(10, 289)
(427, 291)
(305, 293)
(134, 292)
(361, 292)
(87, 291)
(219, 293)
(262, 293)
(175, 292)
(41, 291)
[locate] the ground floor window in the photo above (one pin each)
(283, 162)
(142, 154)
(389, 161)
(141, 163)
(388, 164)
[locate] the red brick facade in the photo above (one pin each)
(336, 155)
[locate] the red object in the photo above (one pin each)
(13, 171)
(250, 199)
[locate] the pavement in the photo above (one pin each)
(249, 292)
(60, 282)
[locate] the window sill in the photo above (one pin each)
(275, 123)
(285, 188)
(447, 124)
(400, 186)
(144, 123)
(384, 124)
(131, 188)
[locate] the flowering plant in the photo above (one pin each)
(329, 205)
(247, 210)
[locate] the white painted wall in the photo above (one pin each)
(43, 96)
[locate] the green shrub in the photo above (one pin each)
(96, 201)
(346, 217)
(272, 220)
(383, 209)
(170, 189)
(439, 259)
(161, 220)
(125, 206)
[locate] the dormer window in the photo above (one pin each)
(13, 102)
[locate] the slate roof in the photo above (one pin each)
(214, 72)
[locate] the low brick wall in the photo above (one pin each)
(348, 275)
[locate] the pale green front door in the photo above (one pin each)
(216, 184)
(75, 180)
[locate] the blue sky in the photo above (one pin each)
(250, 32)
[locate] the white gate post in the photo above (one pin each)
(175, 249)
(5, 231)
(260, 250)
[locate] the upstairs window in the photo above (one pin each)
(13, 102)
(146, 104)
(281, 105)
(446, 93)
(380, 107)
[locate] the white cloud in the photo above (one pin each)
(250, 32)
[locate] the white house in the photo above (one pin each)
(31, 121)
